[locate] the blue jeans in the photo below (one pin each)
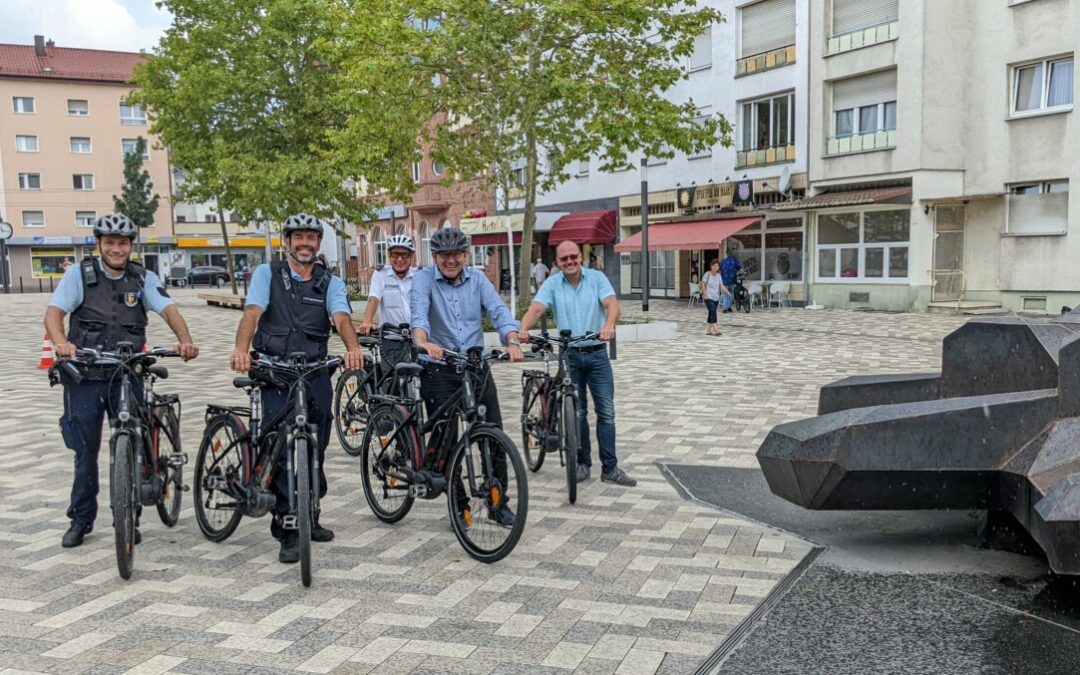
(711, 306)
(592, 371)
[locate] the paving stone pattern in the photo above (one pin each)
(625, 581)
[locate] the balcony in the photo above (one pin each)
(838, 44)
(763, 157)
(848, 145)
(759, 63)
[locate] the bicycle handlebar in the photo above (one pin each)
(541, 341)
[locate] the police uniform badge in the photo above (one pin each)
(131, 299)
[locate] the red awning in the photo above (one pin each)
(687, 236)
(586, 227)
(493, 239)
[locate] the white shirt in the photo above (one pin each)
(392, 292)
(540, 272)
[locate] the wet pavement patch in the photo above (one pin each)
(891, 592)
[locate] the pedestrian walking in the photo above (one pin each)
(540, 273)
(729, 272)
(716, 294)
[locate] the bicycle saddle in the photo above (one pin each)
(408, 369)
(160, 372)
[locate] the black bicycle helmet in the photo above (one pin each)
(449, 239)
(115, 223)
(302, 221)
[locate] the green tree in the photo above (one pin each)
(137, 199)
(558, 81)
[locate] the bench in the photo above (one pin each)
(223, 300)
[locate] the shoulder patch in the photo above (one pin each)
(161, 290)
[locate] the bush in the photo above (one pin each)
(354, 293)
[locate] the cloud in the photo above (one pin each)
(87, 24)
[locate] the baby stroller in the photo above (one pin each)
(741, 297)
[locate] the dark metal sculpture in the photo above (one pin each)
(997, 429)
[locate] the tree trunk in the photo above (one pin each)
(228, 249)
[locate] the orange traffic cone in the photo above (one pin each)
(48, 357)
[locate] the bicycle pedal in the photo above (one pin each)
(290, 522)
(418, 490)
(216, 483)
(177, 460)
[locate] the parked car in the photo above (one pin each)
(208, 274)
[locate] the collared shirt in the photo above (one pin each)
(581, 309)
(392, 292)
(729, 270)
(450, 312)
(69, 292)
(540, 272)
(259, 291)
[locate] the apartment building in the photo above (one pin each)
(64, 129)
(754, 70)
(940, 137)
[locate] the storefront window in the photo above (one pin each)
(867, 245)
(748, 251)
(51, 262)
(838, 228)
(783, 255)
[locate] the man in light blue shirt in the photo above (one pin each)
(584, 302)
(448, 300)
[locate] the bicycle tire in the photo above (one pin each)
(303, 507)
(476, 524)
(231, 470)
(568, 439)
(370, 454)
(345, 416)
(122, 497)
(533, 423)
(167, 431)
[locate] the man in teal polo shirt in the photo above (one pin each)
(584, 302)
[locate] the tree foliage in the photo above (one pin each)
(137, 199)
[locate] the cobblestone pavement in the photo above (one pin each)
(625, 581)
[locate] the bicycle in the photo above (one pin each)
(230, 482)
(406, 458)
(549, 408)
(145, 457)
(354, 389)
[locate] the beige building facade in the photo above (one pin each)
(64, 129)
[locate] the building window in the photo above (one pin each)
(416, 172)
(33, 219)
(24, 105)
(1044, 86)
(78, 107)
(438, 168)
(211, 218)
(50, 262)
(701, 58)
(83, 181)
(26, 143)
(478, 256)
(658, 159)
(85, 218)
(424, 254)
(582, 167)
(29, 181)
(181, 219)
(766, 26)
(703, 115)
(772, 253)
(80, 145)
(863, 108)
(768, 123)
(128, 145)
(378, 240)
(864, 245)
(1038, 208)
(851, 16)
(132, 115)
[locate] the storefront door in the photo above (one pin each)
(948, 270)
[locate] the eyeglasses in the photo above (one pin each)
(452, 254)
(573, 257)
(400, 256)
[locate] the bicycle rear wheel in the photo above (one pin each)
(122, 499)
(303, 507)
(487, 484)
(387, 496)
(568, 439)
(352, 397)
(221, 466)
(166, 437)
(533, 422)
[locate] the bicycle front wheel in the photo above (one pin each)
(387, 496)
(122, 495)
(533, 422)
(568, 439)
(352, 397)
(488, 495)
(221, 466)
(303, 507)
(166, 437)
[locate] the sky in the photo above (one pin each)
(121, 25)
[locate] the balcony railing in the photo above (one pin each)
(846, 42)
(758, 63)
(846, 145)
(774, 155)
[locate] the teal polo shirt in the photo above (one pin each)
(579, 309)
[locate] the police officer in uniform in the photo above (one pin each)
(389, 295)
(290, 305)
(108, 298)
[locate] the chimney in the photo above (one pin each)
(39, 46)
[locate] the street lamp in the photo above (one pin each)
(5, 234)
(644, 234)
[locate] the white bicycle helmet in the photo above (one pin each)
(401, 241)
(302, 221)
(115, 223)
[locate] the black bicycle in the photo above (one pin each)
(549, 408)
(355, 388)
(146, 462)
(407, 458)
(236, 462)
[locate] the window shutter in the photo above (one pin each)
(866, 90)
(852, 15)
(767, 25)
(1039, 214)
(702, 56)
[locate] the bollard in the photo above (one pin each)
(40, 287)
(50, 284)
(21, 290)
(245, 285)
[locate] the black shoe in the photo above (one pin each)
(321, 534)
(503, 515)
(618, 477)
(74, 536)
(727, 311)
(138, 536)
(290, 548)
